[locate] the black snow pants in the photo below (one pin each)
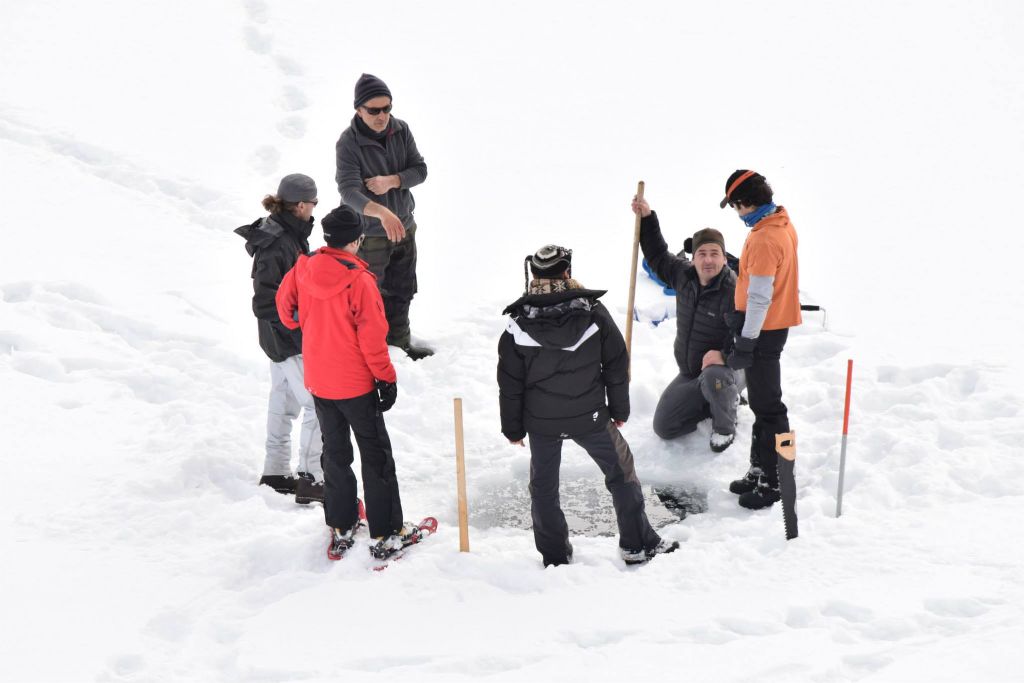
(611, 453)
(380, 485)
(764, 390)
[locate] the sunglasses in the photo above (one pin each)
(373, 111)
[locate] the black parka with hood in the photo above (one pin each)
(562, 366)
(275, 243)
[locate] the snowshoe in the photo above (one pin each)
(388, 547)
(341, 541)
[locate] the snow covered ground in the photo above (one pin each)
(134, 544)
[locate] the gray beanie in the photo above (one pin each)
(296, 188)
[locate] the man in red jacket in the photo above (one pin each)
(334, 299)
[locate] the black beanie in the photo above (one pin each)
(749, 187)
(342, 226)
(369, 86)
(550, 260)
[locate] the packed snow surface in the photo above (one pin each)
(134, 542)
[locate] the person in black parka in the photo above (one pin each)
(563, 373)
(275, 242)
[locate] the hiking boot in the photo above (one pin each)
(761, 497)
(341, 541)
(663, 548)
(747, 483)
(632, 557)
(308, 491)
(282, 483)
(719, 442)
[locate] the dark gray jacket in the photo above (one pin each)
(361, 157)
(700, 311)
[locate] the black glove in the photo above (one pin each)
(387, 394)
(688, 245)
(742, 356)
(735, 320)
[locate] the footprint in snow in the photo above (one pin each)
(293, 127)
(257, 41)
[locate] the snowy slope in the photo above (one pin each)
(134, 545)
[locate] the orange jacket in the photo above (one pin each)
(343, 324)
(770, 249)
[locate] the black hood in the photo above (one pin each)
(262, 232)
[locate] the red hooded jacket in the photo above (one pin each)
(342, 319)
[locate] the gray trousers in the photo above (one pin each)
(688, 400)
(288, 396)
(611, 453)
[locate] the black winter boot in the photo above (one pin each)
(761, 497)
(748, 482)
(282, 483)
(308, 491)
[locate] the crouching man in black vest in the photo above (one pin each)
(558, 359)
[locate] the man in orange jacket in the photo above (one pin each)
(767, 305)
(334, 299)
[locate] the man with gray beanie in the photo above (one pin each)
(378, 162)
(705, 290)
(275, 242)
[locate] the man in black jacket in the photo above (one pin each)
(559, 358)
(378, 162)
(275, 243)
(705, 291)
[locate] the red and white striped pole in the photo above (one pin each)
(846, 427)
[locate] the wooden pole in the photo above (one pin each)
(460, 470)
(632, 277)
(846, 427)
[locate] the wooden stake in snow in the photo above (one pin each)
(846, 427)
(460, 471)
(632, 277)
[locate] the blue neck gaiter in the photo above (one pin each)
(755, 216)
